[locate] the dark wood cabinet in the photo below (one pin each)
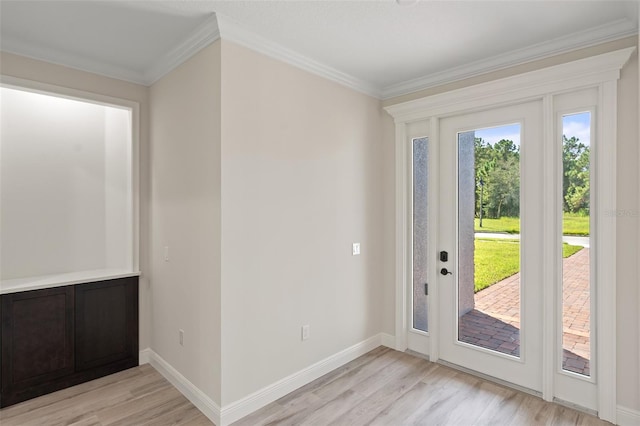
(106, 323)
(37, 341)
(54, 338)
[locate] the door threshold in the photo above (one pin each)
(510, 385)
(490, 378)
(576, 407)
(417, 354)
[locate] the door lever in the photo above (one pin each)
(445, 271)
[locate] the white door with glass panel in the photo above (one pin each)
(490, 284)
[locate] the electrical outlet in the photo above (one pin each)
(356, 249)
(181, 337)
(305, 332)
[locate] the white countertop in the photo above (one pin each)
(59, 280)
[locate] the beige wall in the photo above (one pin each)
(628, 363)
(185, 216)
(628, 356)
(302, 179)
(44, 72)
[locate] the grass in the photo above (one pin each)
(497, 259)
(572, 224)
(510, 225)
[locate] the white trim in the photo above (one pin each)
(387, 340)
(247, 405)
(589, 37)
(522, 87)
(198, 398)
(605, 241)
(434, 188)
(627, 416)
(205, 34)
(70, 60)
(232, 31)
(59, 280)
(550, 272)
(144, 356)
(402, 200)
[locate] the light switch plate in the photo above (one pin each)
(356, 249)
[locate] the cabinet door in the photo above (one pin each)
(37, 341)
(106, 323)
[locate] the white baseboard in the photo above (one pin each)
(388, 340)
(627, 416)
(245, 406)
(205, 404)
(143, 356)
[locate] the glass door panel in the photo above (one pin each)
(489, 238)
(576, 270)
(420, 226)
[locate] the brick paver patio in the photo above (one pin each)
(495, 321)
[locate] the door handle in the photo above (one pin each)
(445, 271)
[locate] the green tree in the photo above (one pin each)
(497, 178)
(575, 183)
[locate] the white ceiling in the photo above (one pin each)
(379, 47)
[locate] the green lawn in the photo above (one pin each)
(572, 224)
(497, 259)
(510, 225)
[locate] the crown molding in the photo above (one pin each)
(205, 34)
(70, 60)
(590, 37)
(571, 75)
(232, 31)
(218, 26)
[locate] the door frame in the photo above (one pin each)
(601, 72)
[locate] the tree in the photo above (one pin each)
(498, 168)
(575, 183)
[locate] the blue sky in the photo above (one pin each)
(495, 134)
(577, 125)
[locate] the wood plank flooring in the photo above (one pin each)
(389, 388)
(383, 387)
(138, 396)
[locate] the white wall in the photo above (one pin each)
(43, 72)
(301, 181)
(185, 216)
(118, 189)
(64, 186)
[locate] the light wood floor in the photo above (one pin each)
(138, 396)
(390, 388)
(383, 387)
